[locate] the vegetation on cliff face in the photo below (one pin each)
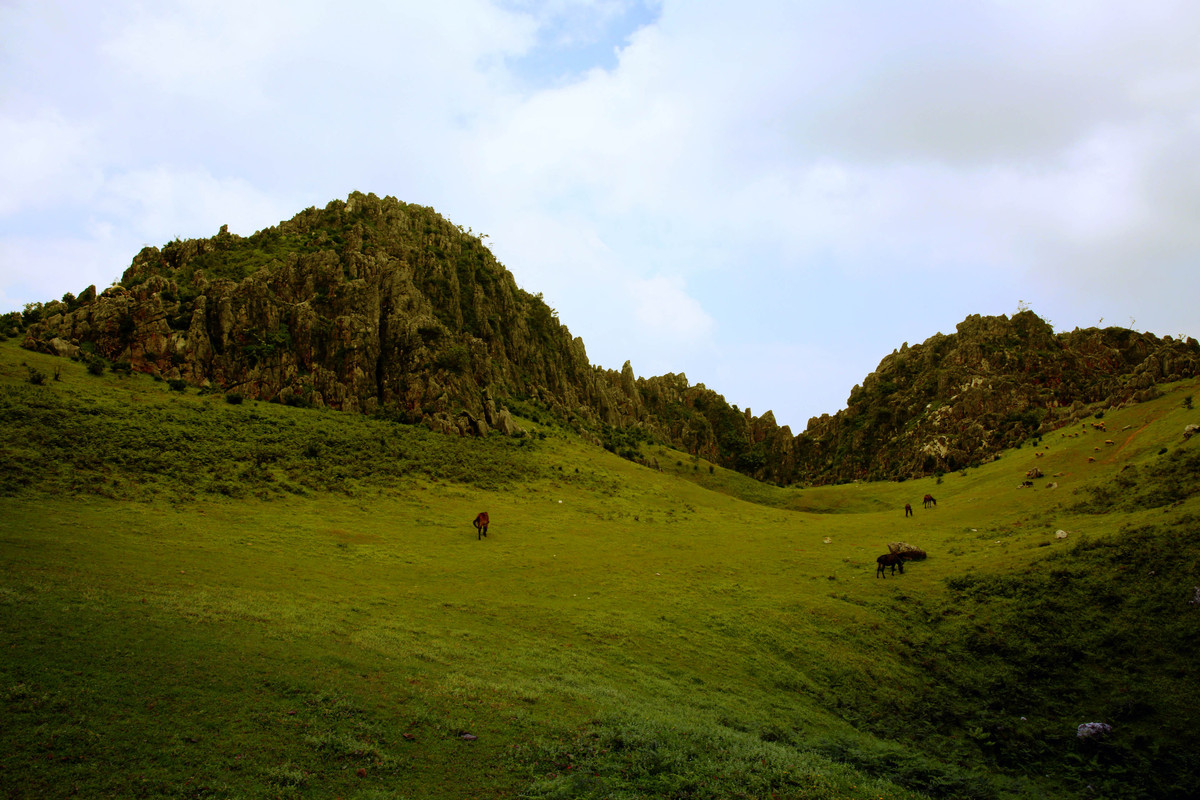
(957, 400)
(379, 306)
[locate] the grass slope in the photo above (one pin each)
(202, 599)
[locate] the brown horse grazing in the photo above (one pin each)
(886, 560)
(481, 523)
(929, 501)
(907, 510)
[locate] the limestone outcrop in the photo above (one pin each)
(372, 305)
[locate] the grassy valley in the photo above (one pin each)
(214, 599)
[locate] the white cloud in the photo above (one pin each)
(161, 204)
(664, 308)
(205, 47)
(44, 159)
(762, 175)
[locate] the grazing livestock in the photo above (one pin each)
(886, 560)
(929, 501)
(481, 524)
(907, 510)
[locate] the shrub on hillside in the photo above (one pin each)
(456, 359)
(299, 400)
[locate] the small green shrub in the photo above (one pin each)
(234, 399)
(36, 376)
(299, 400)
(456, 359)
(177, 384)
(96, 365)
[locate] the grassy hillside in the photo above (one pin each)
(208, 599)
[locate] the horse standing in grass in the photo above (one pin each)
(929, 501)
(907, 509)
(481, 523)
(886, 560)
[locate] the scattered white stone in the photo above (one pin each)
(827, 540)
(1060, 535)
(1090, 729)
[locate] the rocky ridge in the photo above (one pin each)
(377, 306)
(957, 400)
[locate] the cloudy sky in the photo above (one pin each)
(766, 195)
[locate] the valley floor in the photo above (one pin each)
(315, 616)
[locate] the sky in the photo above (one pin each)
(768, 196)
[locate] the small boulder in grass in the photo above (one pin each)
(468, 737)
(1093, 730)
(909, 552)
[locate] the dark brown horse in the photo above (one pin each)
(907, 510)
(481, 523)
(929, 501)
(886, 560)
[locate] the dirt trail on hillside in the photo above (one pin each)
(1129, 439)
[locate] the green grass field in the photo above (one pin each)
(206, 599)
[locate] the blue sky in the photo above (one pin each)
(767, 196)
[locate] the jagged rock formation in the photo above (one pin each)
(368, 305)
(373, 305)
(958, 399)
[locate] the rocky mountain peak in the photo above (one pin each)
(373, 305)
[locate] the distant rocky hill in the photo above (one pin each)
(378, 306)
(956, 400)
